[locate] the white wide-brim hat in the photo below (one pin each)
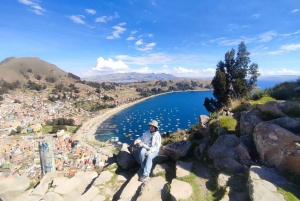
(153, 123)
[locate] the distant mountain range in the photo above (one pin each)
(131, 77)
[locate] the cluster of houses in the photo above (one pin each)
(19, 154)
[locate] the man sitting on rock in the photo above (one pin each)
(150, 143)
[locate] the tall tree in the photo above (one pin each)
(230, 81)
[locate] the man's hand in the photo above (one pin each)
(148, 152)
(135, 142)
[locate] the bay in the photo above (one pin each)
(178, 110)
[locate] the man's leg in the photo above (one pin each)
(148, 164)
(142, 157)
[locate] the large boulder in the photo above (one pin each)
(271, 109)
(124, 157)
(180, 190)
(230, 153)
(224, 147)
(263, 183)
(291, 124)
(248, 120)
(277, 146)
(154, 189)
(177, 149)
(278, 108)
(13, 186)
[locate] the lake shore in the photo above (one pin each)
(91, 125)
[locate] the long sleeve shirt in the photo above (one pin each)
(152, 141)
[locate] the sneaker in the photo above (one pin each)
(142, 178)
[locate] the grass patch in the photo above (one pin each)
(287, 195)
(175, 137)
(262, 100)
(227, 122)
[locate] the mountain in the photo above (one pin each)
(24, 68)
(130, 77)
(280, 77)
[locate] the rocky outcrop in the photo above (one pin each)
(177, 149)
(13, 186)
(203, 126)
(262, 184)
(291, 124)
(248, 120)
(278, 108)
(124, 157)
(229, 152)
(277, 146)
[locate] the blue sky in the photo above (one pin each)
(183, 38)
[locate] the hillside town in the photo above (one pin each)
(19, 154)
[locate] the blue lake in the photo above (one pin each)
(172, 111)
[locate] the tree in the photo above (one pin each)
(230, 81)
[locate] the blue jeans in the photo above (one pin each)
(146, 161)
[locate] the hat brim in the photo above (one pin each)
(153, 125)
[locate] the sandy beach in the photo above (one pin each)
(91, 126)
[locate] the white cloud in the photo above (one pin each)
(294, 33)
(139, 42)
(130, 38)
(267, 36)
(165, 66)
(26, 2)
(150, 35)
(295, 10)
(34, 6)
(133, 32)
(77, 19)
(109, 66)
(287, 72)
(105, 19)
(181, 70)
(275, 52)
(255, 16)
(118, 29)
(90, 11)
(147, 47)
(290, 47)
(144, 70)
(145, 60)
(229, 42)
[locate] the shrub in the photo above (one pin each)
(175, 137)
